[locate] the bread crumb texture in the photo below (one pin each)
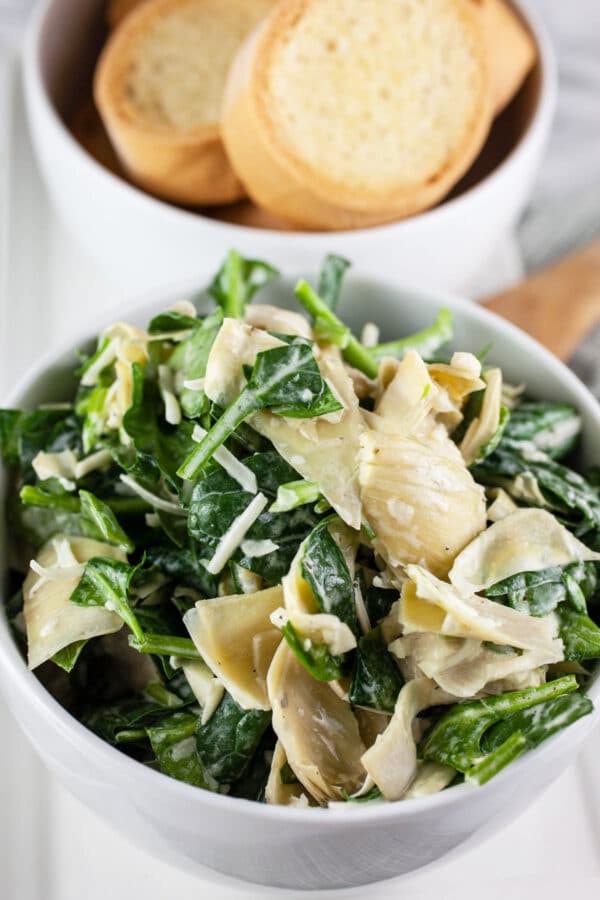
(178, 62)
(408, 77)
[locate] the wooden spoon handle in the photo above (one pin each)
(558, 305)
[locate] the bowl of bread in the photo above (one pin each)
(170, 130)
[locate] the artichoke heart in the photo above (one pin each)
(422, 503)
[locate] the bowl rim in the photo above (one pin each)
(123, 768)
(538, 125)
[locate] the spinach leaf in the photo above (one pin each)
(271, 471)
(245, 439)
(68, 656)
(190, 358)
(328, 327)
(217, 500)
(141, 466)
(88, 360)
(58, 510)
(163, 631)
(182, 565)
(580, 634)
(24, 434)
(137, 711)
(36, 524)
(378, 602)
(158, 443)
(174, 527)
(9, 436)
(287, 531)
(229, 740)
(164, 645)
(172, 322)
(237, 281)
(105, 582)
(91, 404)
(173, 742)
(324, 568)
(563, 490)
(51, 430)
(552, 428)
(252, 784)
(160, 618)
(101, 523)
(286, 380)
(538, 593)
(426, 342)
(317, 659)
(50, 496)
(376, 680)
(330, 279)
(585, 577)
(455, 739)
(539, 722)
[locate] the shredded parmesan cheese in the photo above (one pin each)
(67, 468)
(108, 356)
(235, 534)
(244, 476)
(370, 335)
(66, 566)
(155, 501)
(167, 392)
(185, 308)
(61, 466)
(361, 609)
(99, 460)
(256, 549)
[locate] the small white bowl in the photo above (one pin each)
(283, 846)
(141, 241)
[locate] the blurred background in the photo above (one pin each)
(50, 847)
(565, 206)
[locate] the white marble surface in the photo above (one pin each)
(51, 848)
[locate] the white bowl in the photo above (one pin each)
(141, 241)
(280, 845)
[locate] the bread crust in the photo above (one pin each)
(188, 166)
(510, 48)
(279, 181)
(116, 10)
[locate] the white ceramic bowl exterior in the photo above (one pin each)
(142, 242)
(279, 845)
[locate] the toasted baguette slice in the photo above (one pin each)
(158, 87)
(116, 10)
(510, 47)
(340, 114)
